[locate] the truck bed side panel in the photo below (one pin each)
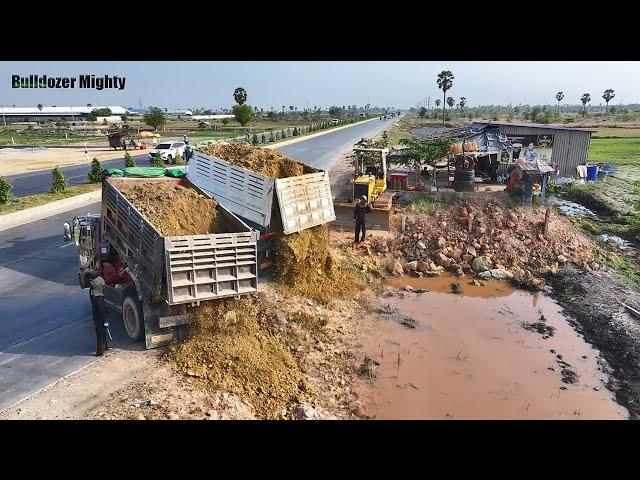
(305, 201)
(245, 193)
(137, 242)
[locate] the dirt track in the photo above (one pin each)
(14, 160)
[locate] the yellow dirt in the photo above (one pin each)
(171, 208)
(270, 163)
(232, 349)
(306, 265)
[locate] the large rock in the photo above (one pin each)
(481, 264)
(471, 250)
(411, 266)
(456, 253)
(495, 274)
(421, 245)
(396, 269)
(442, 260)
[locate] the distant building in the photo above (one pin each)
(53, 114)
(168, 112)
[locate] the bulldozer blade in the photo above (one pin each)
(376, 220)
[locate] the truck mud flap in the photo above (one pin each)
(163, 325)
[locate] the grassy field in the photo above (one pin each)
(619, 151)
(616, 132)
(29, 201)
(27, 137)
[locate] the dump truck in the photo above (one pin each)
(156, 280)
(286, 205)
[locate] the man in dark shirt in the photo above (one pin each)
(98, 307)
(359, 214)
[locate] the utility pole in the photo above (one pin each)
(428, 103)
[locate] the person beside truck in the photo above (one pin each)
(359, 216)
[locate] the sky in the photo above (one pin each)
(273, 84)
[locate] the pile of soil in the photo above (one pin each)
(270, 163)
(492, 240)
(232, 348)
(305, 264)
(173, 209)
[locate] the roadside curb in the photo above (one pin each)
(21, 217)
(313, 135)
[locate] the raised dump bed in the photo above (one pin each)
(303, 201)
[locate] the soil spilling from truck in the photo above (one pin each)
(233, 348)
(172, 208)
(269, 163)
(306, 265)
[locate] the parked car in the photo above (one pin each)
(167, 150)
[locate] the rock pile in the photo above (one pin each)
(491, 241)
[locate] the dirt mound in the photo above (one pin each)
(270, 163)
(306, 265)
(173, 209)
(233, 349)
(494, 241)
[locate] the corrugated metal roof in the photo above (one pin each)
(534, 125)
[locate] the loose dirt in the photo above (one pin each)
(173, 209)
(21, 160)
(306, 265)
(232, 348)
(270, 163)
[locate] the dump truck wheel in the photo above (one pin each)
(132, 318)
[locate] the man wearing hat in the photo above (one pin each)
(97, 304)
(361, 210)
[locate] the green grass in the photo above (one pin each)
(618, 151)
(38, 199)
(34, 137)
(426, 204)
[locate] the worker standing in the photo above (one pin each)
(98, 309)
(359, 214)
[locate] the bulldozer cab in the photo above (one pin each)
(370, 173)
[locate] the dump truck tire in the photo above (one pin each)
(132, 318)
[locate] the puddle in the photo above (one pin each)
(572, 209)
(619, 242)
(469, 356)
(444, 282)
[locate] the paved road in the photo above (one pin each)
(46, 330)
(40, 181)
(318, 152)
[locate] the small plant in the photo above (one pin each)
(158, 161)
(264, 138)
(272, 136)
(254, 139)
(282, 134)
(95, 174)
(295, 131)
(179, 160)
(5, 190)
(58, 181)
(128, 160)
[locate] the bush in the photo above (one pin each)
(5, 190)
(272, 136)
(264, 138)
(282, 134)
(295, 131)
(128, 160)
(254, 139)
(178, 160)
(157, 160)
(58, 181)
(95, 175)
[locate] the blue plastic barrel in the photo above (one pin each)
(592, 173)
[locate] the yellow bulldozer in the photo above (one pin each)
(370, 179)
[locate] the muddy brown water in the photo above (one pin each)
(469, 357)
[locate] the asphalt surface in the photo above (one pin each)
(46, 332)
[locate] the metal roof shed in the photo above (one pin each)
(569, 146)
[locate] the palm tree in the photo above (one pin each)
(463, 102)
(445, 82)
(586, 98)
(559, 97)
(451, 101)
(240, 95)
(608, 96)
(283, 107)
(40, 106)
(438, 102)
